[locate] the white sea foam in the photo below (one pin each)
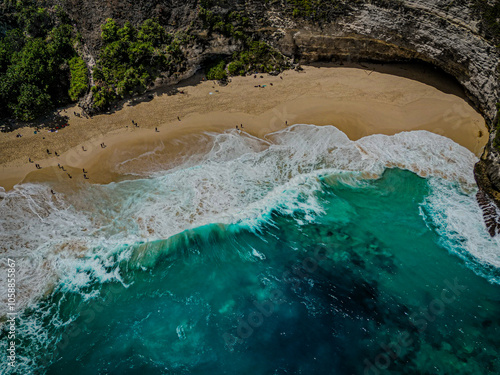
(81, 236)
(459, 222)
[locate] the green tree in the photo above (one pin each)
(109, 31)
(127, 33)
(34, 61)
(31, 102)
(60, 42)
(153, 33)
(217, 71)
(35, 21)
(12, 42)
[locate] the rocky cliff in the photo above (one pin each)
(450, 34)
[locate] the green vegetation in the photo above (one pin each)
(253, 56)
(257, 57)
(230, 24)
(131, 59)
(217, 71)
(34, 56)
(79, 82)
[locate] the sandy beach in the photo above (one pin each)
(359, 101)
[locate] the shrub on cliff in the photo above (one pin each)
(230, 24)
(79, 82)
(258, 56)
(131, 58)
(217, 71)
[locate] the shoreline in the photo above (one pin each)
(358, 101)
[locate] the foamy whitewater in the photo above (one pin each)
(171, 263)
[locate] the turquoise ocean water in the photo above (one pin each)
(305, 253)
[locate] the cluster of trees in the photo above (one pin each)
(35, 52)
(131, 58)
(231, 24)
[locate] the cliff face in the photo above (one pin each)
(444, 33)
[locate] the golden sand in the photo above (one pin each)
(358, 100)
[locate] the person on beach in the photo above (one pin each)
(156, 130)
(178, 118)
(48, 152)
(84, 171)
(53, 192)
(83, 148)
(55, 152)
(237, 127)
(69, 176)
(59, 166)
(85, 176)
(241, 126)
(31, 161)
